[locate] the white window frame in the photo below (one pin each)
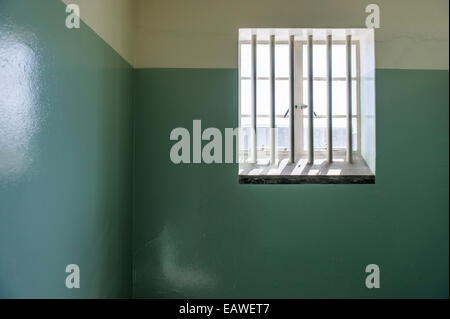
(299, 116)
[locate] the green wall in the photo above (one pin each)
(198, 233)
(66, 106)
(65, 156)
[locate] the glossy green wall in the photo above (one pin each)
(198, 233)
(66, 104)
(65, 156)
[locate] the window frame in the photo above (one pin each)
(298, 51)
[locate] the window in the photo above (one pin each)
(339, 96)
(275, 107)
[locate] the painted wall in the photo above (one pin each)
(65, 160)
(198, 233)
(65, 156)
(204, 33)
(113, 21)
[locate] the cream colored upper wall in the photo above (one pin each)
(204, 33)
(113, 21)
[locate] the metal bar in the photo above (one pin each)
(349, 99)
(330, 100)
(291, 101)
(272, 100)
(254, 84)
(358, 95)
(311, 100)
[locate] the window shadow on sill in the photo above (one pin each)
(300, 172)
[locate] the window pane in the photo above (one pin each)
(320, 97)
(263, 60)
(305, 134)
(354, 98)
(246, 97)
(282, 60)
(319, 60)
(305, 95)
(320, 133)
(340, 133)
(246, 60)
(339, 60)
(244, 136)
(355, 134)
(282, 133)
(263, 97)
(262, 133)
(305, 60)
(340, 98)
(281, 96)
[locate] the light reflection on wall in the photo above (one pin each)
(182, 276)
(18, 101)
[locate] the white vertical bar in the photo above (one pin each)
(299, 96)
(329, 100)
(254, 115)
(291, 100)
(358, 96)
(240, 160)
(311, 100)
(272, 100)
(349, 99)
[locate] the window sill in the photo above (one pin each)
(306, 179)
(321, 172)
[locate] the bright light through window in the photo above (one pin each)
(282, 68)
